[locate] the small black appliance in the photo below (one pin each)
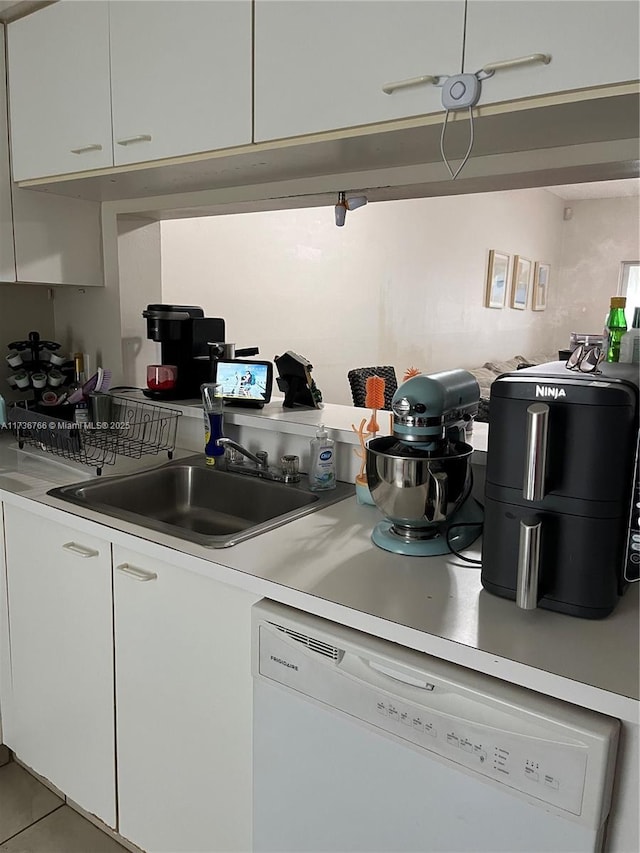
(562, 493)
(184, 334)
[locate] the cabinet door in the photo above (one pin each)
(183, 698)
(59, 95)
(321, 66)
(58, 240)
(5, 668)
(60, 622)
(591, 43)
(180, 76)
(7, 259)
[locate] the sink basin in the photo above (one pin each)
(187, 499)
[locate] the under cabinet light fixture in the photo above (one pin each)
(345, 204)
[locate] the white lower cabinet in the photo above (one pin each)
(183, 698)
(5, 669)
(60, 715)
(181, 727)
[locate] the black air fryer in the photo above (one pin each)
(561, 488)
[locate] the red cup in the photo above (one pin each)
(161, 377)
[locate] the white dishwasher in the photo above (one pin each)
(363, 745)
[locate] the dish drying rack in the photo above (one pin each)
(135, 429)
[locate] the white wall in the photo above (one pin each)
(140, 284)
(106, 322)
(402, 283)
(24, 308)
(601, 234)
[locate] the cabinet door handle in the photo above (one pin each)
(93, 146)
(131, 140)
(531, 59)
(136, 573)
(80, 550)
(390, 88)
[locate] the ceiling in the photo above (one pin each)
(598, 189)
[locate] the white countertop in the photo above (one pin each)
(326, 564)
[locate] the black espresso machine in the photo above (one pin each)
(562, 493)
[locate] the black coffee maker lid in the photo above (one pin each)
(160, 311)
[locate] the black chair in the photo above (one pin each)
(358, 382)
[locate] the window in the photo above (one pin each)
(630, 287)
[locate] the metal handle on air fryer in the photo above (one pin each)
(528, 565)
(535, 463)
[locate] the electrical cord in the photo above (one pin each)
(453, 550)
(450, 527)
(455, 174)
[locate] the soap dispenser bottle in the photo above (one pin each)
(322, 468)
(212, 403)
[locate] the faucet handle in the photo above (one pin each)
(232, 455)
(263, 456)
(290, 464)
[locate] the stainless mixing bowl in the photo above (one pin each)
(417, 491)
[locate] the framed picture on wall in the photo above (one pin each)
(540, 286)
(520, 282)
(497, 278)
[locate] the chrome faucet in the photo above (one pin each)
(288, 473)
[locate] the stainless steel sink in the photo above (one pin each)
(212, 507)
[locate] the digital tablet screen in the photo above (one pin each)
(245, 381)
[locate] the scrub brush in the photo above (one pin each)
(361, 452)
(374, 399)
(410, 372)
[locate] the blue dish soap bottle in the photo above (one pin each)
(322, 469)
(212, 404)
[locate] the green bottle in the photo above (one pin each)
(616, 327)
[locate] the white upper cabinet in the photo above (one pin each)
(180, 77)
(322, 65)
(45, 238)
(95, 83)
(60, 102)
(591, 43)
(7, 259)
(58, 240)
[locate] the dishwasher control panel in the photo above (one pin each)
(540, 748)
(541, 767)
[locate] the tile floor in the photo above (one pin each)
(35, 820)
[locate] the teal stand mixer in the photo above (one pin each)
(420, 476)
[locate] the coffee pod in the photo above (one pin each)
(22, 379)
(57, 359)
(39, 380)
(55, 378)
(14, 359)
